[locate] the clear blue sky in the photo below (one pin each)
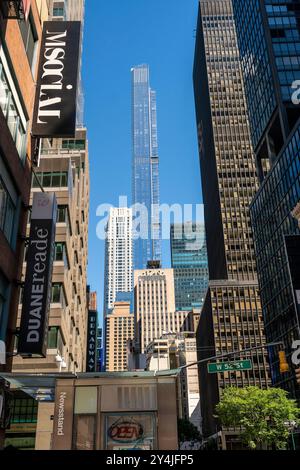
(118, 35)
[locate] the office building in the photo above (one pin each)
(189, 263)
(145, 166)
(269, 40)
(172, 351)
(119, 329)
(155, 311)
(231, 318)
(118, 270)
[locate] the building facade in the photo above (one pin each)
(119, 329)
(64, 169)
(269, 41)
(155, 311)
(231, 318)
(189, 263)
(179, 350)
(118, 270)
(19, 50)
(145, 166)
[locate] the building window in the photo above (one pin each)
(74, 144)
(58, 295)
(11, 108)
(60, 253)
(30, 40)
(55, 339)
(24, 410)
(7, 212)
(56, 179)
(58, 11)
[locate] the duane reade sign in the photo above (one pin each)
(38, 279)
(56, 92)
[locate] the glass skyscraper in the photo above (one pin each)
(269, 40)
(189, 263)
(145, 166)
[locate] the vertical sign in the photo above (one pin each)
(56, 92)
(38, 280)
(91, 341)
(63, 415)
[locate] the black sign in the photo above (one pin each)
(292, 243)
(38, 281)
(91, 342)
(56, 92)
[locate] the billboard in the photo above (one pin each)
(91, 356)
(56, 92)
(38, 279)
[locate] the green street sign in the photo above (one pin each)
(215, 367)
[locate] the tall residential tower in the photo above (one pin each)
(145, 166)
(118, 275)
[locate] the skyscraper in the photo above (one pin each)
(231, 319)
(119, 329)
(118, 256)
(269, 40)
(155, 311)
(145, 166)
(189, 263)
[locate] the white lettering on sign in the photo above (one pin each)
(38, 285)
(53, 67)
(61, 414)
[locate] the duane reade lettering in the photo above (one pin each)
(38, 286)
(53, 68)
(61, 413)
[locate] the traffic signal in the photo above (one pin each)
(283, 365)
(297, 373)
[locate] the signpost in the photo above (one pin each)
(215, 367)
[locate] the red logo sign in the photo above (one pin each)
(125, 432)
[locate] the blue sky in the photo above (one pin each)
(118, 35)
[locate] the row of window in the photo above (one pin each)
(12, 113)
(55, 179)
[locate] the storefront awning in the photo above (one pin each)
(41, 387)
